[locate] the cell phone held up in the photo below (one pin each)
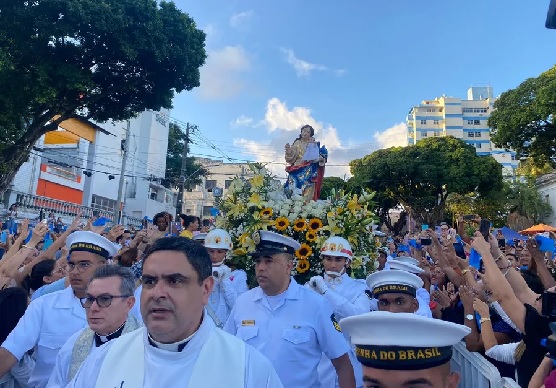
(426, 241)
(484, 228)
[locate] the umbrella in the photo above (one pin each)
(540, 228)
(510, 234)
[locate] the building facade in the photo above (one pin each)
(200, 200)
(78, 169)
(546, 185)
(462, 119)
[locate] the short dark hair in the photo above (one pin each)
(195, 253)
(127, 286)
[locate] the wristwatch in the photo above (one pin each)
(470, 317)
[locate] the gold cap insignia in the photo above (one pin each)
(256, 238)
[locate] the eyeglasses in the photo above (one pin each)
(102, 300)
(81, 266)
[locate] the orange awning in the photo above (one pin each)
(540, 228)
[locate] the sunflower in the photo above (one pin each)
(315, 224)
(282, 223)
(302, 265)
(310, 236)
(266, 212)
(300, 225)
(304, 251)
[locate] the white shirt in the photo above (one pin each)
(47, 324)
(225, 292)
(292, 336)
(59, 377)
(347, 297)
(173, 369)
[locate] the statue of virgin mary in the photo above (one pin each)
(306, 159)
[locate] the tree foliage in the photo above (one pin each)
(421, 176)
(523, 118)
(194, 171)
(103, 60)
(331, 184)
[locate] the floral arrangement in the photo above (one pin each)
(260, 203)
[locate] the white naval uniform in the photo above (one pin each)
(292, 335)
(163, 368)
(47, 324)
(225, 292)
(347, 297)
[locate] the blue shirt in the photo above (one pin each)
(58, 285)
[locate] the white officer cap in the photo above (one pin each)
(270, 243)
(402, 266)
(408, 260)
(91, 242)
(402, 341)
(383, 282)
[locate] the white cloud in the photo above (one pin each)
(340, 72)
(221, 74)
(237, 19)
(283, 127)
(301, 67)
(241, 121)
(210, 30)
(392, 137)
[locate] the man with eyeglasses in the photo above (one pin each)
(107, 304)
(51, 319)
(180, 345)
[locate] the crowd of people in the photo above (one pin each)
(168, 306)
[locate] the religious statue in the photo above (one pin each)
(306, 160)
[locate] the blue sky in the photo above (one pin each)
(352, 69)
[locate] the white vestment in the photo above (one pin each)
(212, 358)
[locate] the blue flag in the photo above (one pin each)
(475, 259)
(545, 244)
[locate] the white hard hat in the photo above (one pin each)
(338, 247)
(218, 239)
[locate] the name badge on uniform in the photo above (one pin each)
(248, 323)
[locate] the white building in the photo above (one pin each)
(462, 119)
(80, 165)
(546, 185)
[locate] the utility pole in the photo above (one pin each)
(183, 173)
(119, 204)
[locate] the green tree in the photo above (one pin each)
(102, 60)
(523, 118)
(421, 176)
(195, 171)
(331, 184)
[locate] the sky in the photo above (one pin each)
(351, 69)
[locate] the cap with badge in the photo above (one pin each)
(384, 282)
(86, 241)
(403, 266)
(402, 341)
(270, 243)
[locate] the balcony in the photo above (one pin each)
(31, 206)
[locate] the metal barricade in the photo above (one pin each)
(476, 371)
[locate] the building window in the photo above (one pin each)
(477, 134)
(423, 134)
(227, 183)
(477, 145)
(210, 185)
(431, 110)
(436, 122)
(470, 134)
(476, 122)
(207, 211)
(467, 110)
(469, 122)
(423, 122)
(436, 133)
